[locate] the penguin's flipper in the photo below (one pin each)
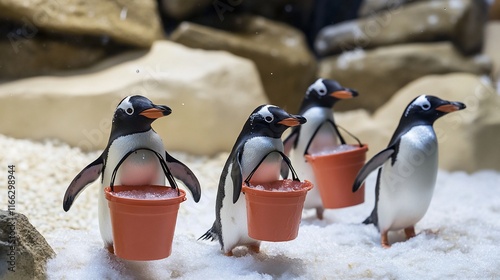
(180, 171)
(291, 140)
(88, 175)
(236, 177)
(374, 163)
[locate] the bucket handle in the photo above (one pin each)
(285, 159)
(336, 127)
(163, 164)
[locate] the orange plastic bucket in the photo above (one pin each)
(335, 174)
(275, 215)
(143, 228)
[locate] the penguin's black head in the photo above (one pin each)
(429, 108)
(136, 113)
(271, 121)
(325, 93)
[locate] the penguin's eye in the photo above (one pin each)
(269, 119)
(129, 111)
(322, 91)
(426, 106)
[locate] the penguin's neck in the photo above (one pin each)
(121, 129)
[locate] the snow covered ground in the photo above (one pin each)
(459, 236)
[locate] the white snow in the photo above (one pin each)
(459, 239)
(459, 236)
(138, 194)
(337, 149)
(286, 185)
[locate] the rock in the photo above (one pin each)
(285, 64)
(41, 55)
(460, 21)
(211, 94)
(491, 43)
(495, 10)
(24, 251)
(183, 9)
(378, 74)
(468, 140)
(135, 23)
(369, 7)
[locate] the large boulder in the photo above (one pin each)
(285, 64)
(378, 74)
(183, 9)
(42, 55)
(135, 23)
(369, 7)
(495, 10)
(24, 252)
(467, 139)
(491, 46)
(211, 94)
(460, 21)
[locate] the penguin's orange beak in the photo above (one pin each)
(293, 121)
(153, 113)
(342, 94)
(448, 108)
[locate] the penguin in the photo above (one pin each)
(257, 147)
(407, 168)
(320, 133)
(131, 134)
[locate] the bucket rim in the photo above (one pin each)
(311, 157)
(144, 202)
(306, 186)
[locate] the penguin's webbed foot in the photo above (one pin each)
(110, 249)
(319, 212)
(254, 248)
(229, 253)
(385, 240)
(410, 232)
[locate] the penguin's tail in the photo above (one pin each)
(372, 219)
(210, 234)
(368, 220)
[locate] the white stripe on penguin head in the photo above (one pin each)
(125, 104)
(420, 101)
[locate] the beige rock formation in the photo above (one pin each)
(211, 94)
(135, 23)
(378, 74)
(460, 21)
(285, 64)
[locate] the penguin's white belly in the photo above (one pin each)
(234, 228)
(233, 217)
(324, 140)
(142, 168)
(305, 172)
(406, 188)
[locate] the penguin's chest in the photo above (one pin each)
(141, 167)
(233, 215)
(407, 186)
(257, 156)
(317, 134)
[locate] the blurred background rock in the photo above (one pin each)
(65, 64)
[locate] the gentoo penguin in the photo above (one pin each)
(407, 168)
(320, 133)
(131, 134)
(255, 147)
